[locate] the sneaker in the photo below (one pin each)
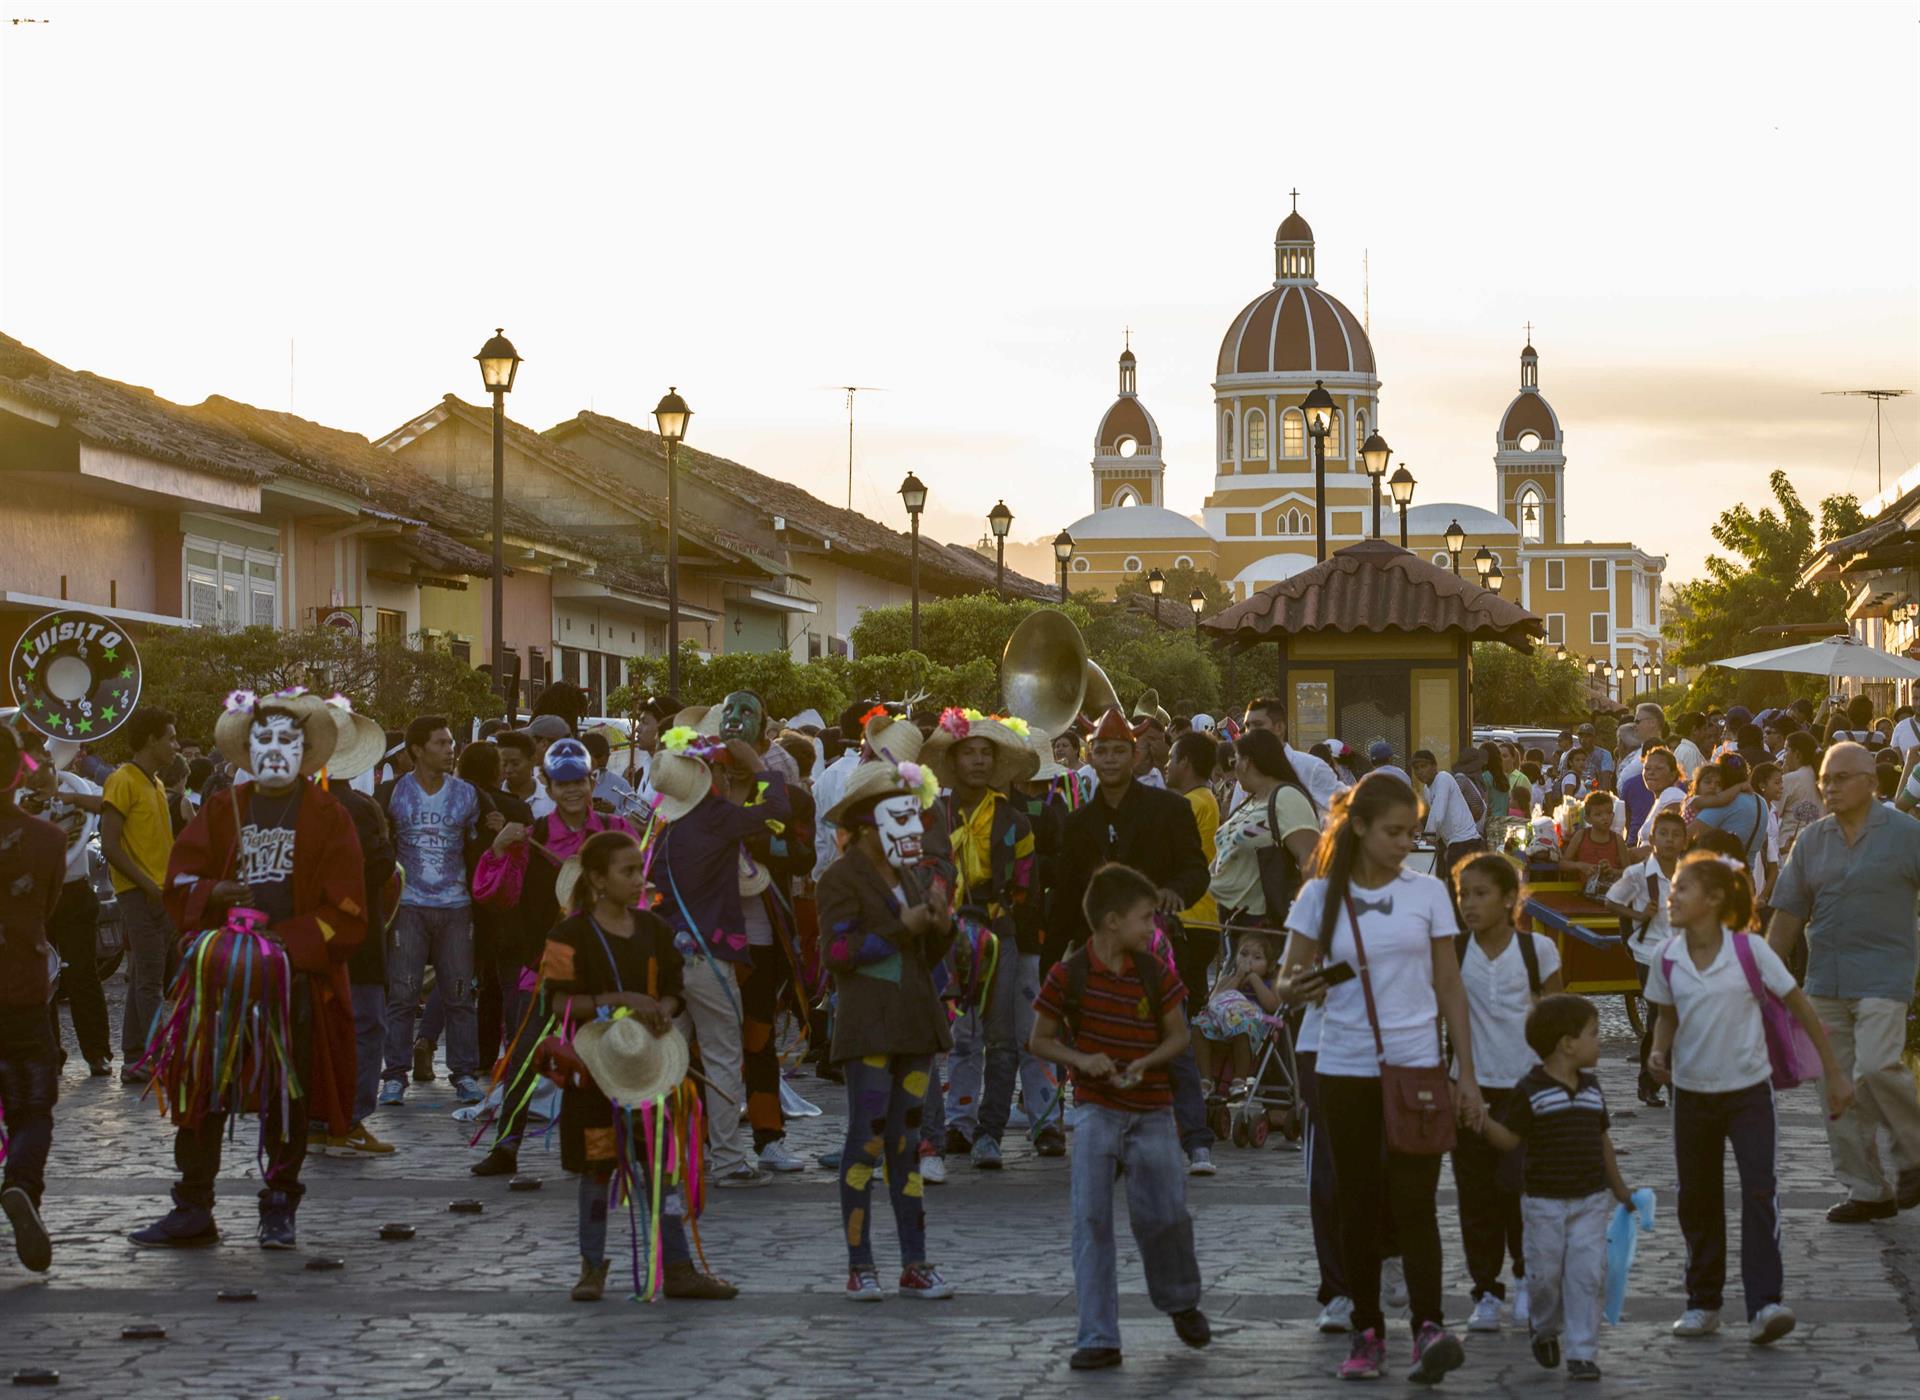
(1770, 1324)
(1546, 1349)
(685, 1281)
(933, 1167)
(1366, 1357)
(359, 1138)
(1093, 1358)
(276, 1221)
(30, 1239)
(100, 1069)
(923, 1281)
(466, 1089)
(135, 1074)
(1436, 1351)
(830, 1159)
(1200, 1162)
(1393, 1283)
(776, 1156)
(1191, 1325)
(501, 1161)
(393, 1093)
(956, 1144)
(1050, 1142)
(183, 1227)
(1486, 1314)
(863, 1286)
(743, 1176)
(1336, 1317)
(1697, 1322)
(593, 1281)
(1578, 1370)
(1522, 1304)
(986, 1154)
(423, 1062)
(1852, 1212)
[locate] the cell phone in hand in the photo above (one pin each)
(1326, 976)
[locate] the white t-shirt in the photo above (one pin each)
(1687, 754)
(1309, 1038)
(76, 825)
(1629, 768)
(828, 788)
(1448, 816)
(1665, 798)
(1720, 1044)
(1645, 887)
(1498, 999)
(1906, 737)
(1400, 922)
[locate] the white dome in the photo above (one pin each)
(1142, 522)
(1434, 518)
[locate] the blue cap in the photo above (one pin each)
(567, 761)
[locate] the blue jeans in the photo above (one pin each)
(369, 1031)
(444, 937)
(148, 931)
(1145, 1148)
(981, 1109)
(1189, 1103)
(593, 1219)
(883, 1115)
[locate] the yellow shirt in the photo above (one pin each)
(146, 835)
(1206, 816)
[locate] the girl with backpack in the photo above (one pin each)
(1717, 988)
(1504, 972)
(1388, 935)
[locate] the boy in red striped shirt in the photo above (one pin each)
(1113, 1014)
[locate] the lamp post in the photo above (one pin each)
(1483, 563)
(1156, 585)
(1374, 452)
(914, 492)
(1401, 484)
(1000, 520)
(670, 416)
(1063, 551)
(499, 363)
(1495, 579)
(1198, 602)
(1456, 541)
(1319, 410)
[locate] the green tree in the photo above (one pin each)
(1182, 579)
(953, 631)
(1516, 687)
(191, 671)
(1758, 582)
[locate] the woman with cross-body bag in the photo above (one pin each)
(1382, 1083)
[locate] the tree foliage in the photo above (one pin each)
(1516, 687)
(1757, 583)
(1182, 579)
(191, 670)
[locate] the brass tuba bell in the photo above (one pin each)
(1048, 679)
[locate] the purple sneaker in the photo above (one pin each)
(1436, 1351)
(1366, 1357)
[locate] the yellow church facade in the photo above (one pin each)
(1256, 527)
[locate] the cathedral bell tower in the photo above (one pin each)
(1127, 468)
(1529, 460)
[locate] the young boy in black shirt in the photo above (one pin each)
(1570, 1183)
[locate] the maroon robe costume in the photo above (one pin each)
(329, 920)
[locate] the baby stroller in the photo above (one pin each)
(1273, 1087)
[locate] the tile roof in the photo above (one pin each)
(943, 568)
(1377, 587)
(129, 418)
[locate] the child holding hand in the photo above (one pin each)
(1571, 1179)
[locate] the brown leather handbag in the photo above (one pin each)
(1416, 1101)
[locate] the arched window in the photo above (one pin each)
(1226, 435)
(1294, 522)
(1533, 516)
(1333, 436)
(1359, 425)
(1082, 564)
(1126, 496)
(1256, 435)
(1293, 434)
(1132, 564)
(1183, 562)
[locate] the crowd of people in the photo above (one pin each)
(1112, 942)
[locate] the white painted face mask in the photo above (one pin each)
(898, 821)
(276, 746)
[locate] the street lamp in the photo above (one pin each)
(499, 363)
(1319, 409)
(1456, 541)
(914, 492)
(1000, 520)
(1374, 452)
(1156, 585)
(670, 416)
(1063, 551)
(1401, 484)
(1495, 579)
(1483, 563)
(1593, 668)
(1197, 600)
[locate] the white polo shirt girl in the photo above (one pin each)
(1498, 1000)
(1720, 1044)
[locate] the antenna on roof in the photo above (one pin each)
(1366, 292)
(850, 390)
(1879, 397)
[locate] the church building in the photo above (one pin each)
(1257, 525)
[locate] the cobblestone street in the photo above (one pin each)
(476, 1305)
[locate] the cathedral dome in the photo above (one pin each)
(1296, 329)
(1136, 522)
(1529, 413)
(1128, 430)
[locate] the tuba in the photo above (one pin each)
(76, 675)
(1048, 679)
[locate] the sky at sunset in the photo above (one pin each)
(1708, 213)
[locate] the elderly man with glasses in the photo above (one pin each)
(1850, 885)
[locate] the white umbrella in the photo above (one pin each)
(1830, 656)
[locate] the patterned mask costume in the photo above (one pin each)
(276, 747)
(898, 821)
(743, 717)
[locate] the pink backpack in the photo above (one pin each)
(1789, 1048)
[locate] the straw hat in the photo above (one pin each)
(629, 1063)
(360, 745)
(879, 777)
(754, 877)
(1042, 747)
(231, 729)
(680, 781)
(892, 737)
(702, 719)
(1013, 760)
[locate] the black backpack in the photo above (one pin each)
(1280, 876)
(1528, 955)
(1077, 967)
